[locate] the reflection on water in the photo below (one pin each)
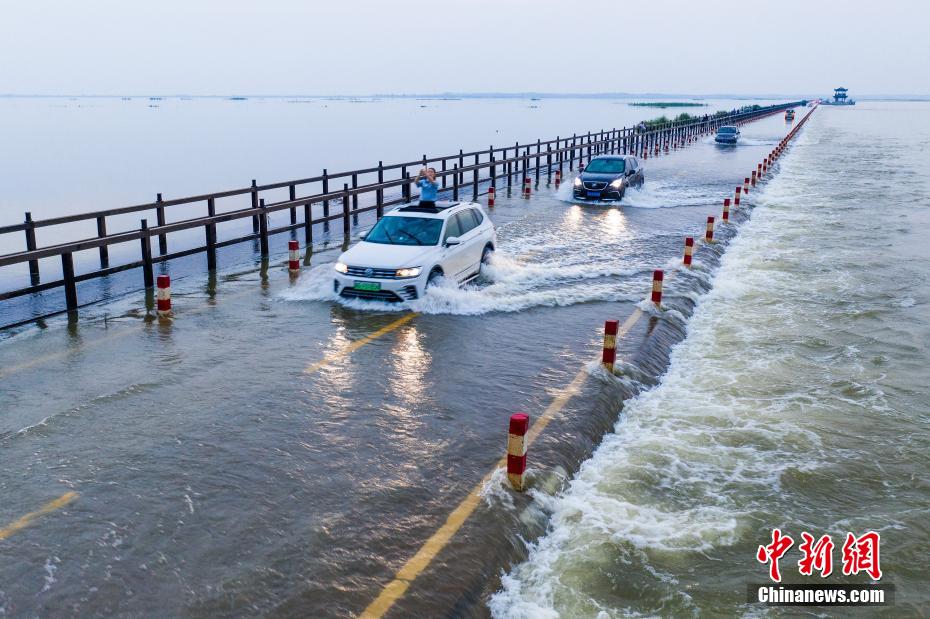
(410, 363)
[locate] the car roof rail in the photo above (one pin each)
(416, 208)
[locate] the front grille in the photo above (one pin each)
(371, 295)
(594, 185)
(375, 273)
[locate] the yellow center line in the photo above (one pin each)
(345, 352)
(26, 520)
(394, 590)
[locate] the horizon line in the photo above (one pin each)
(476, 94)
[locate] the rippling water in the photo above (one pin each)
(798, 400)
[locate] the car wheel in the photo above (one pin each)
(486, 254)
(433, 276)
(622, 192)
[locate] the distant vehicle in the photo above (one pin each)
(789, 115)
(411, 247)
(727, 134)
(607, 178)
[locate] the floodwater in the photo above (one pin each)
(797, 400)
(222, 471)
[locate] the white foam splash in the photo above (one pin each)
(663, 483)
(506, 285)
(655, 193)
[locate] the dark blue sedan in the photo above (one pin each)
(607, 178)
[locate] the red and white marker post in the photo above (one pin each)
(709, 234)
(689, 250)
(163, 295)
(746, 185)
(726, 210)
(527, 187)
(293, 257)
(736, 198)
(753, 178)
(491, 196)
(558, 178)
(609, 356)
(657, 277)
(516, 450)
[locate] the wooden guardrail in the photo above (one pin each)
(482, 166)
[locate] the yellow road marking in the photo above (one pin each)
(26, 520)
(428, 551)
(345, 352)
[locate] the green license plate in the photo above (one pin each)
(367, 286)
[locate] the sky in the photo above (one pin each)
(358, 47)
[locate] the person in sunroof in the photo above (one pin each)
(429, 188)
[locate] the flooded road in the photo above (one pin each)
(798, 400)
(275, 451)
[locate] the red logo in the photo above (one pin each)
(773, 552)
(860, 554)
(817, 555)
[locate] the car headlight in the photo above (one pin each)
(411, 272)
(617, 183)
(342, 267)
(577, 181)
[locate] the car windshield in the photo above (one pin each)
(726, 130)
(605, 166)
(406, 231)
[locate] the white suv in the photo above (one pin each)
(411, 246)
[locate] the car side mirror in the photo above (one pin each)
(452, 240)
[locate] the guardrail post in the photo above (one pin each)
(455, 182)
(571, 155)
(408, 188)
(345, 210)
(526, 165)
(548, 164)
(104, 251)
(491, 170)
(292, 195)
(404, 188)
(31, 246)
(509, 170)
(67, 273)
(210, 230)
(263, 229)
(538, 152)
(254, 192)
(308, 226)
(443, 166)
(148, 272)
(160, 218)
(379, 193)
(474, 181)
(325, 202)
(516, 163)
(461, 165)
(354, 200)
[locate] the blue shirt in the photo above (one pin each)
(428, 191)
